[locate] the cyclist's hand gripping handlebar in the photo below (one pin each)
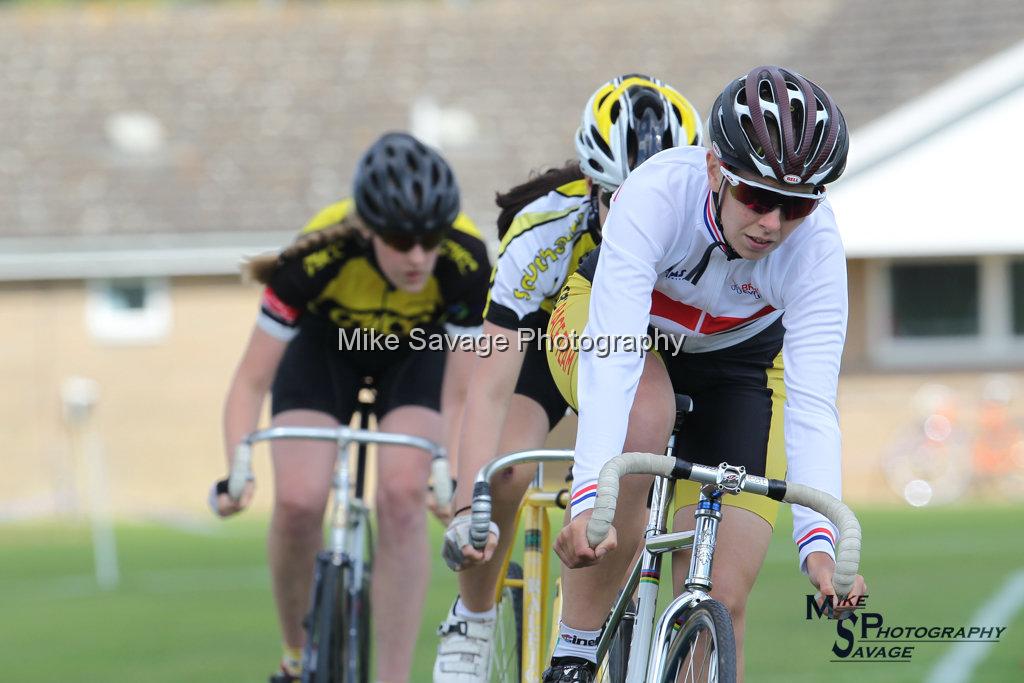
(241, 470)
(847, 549)
(441, 479)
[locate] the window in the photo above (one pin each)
(935, 300)
(961, 312)
(128, 310)
(1017, 296)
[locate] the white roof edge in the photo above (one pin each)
(900, 128)
(27, 259)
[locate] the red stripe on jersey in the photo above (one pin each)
(279, 309)
(713, 324)
(689, 316)
(676, 311)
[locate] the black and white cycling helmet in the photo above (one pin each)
(777, 124)
(403, 186)
(628, 120)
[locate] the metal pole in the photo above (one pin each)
(79, 396)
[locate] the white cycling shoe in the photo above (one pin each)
(464, 653)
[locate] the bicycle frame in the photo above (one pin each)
(349, 540)
(651, 635)
(536, 582)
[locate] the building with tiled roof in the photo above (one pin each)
(145, 150)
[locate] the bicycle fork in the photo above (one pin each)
(645, 580)
(697, 585)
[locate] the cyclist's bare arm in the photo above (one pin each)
(248, 390)
(458, 370)
(487, 406)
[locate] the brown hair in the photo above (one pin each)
(262, 268)
(539, 184)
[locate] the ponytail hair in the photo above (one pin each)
(513, 201)
(261, 268)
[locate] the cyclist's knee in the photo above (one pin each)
(400, 502)
(510, 484)
(734, 596)
(296, 513)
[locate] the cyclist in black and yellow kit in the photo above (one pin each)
(397, 258)
(547, 226)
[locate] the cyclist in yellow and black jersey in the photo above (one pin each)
(343, 284)
(539, 248)
(546, 226)
(396, 258)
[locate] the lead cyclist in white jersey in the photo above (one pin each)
(547, 225)
(734, 254)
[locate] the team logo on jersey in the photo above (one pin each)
(746, 288)
(678, 274)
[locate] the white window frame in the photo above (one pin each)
(995, 344)
(110, 324)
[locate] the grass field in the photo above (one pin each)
(194, 605)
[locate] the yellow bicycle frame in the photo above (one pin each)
(536, 582)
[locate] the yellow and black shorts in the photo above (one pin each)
(738, 397)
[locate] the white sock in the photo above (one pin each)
(464, 613)
(573, 642)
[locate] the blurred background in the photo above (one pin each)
(147, 147)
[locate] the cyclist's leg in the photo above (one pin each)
(535, 408)
(305, 393)
(401, 569)
(408, 402)
(525, 427)
(302, 476)
(741, 421)
(743, 539)
(590, 591)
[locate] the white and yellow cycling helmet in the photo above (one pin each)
(629, 119)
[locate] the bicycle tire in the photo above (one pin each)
(359, 615)
(323, 656)
(613, 668)
(709, 626)
(507, 642)
(362, 613)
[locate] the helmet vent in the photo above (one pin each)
(799, 114)
(748, 130)
(599, 142)
(773, 134)
(819, 132)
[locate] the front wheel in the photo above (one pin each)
(323, 658)
(507, 643)
(613, 668)
(703, 650)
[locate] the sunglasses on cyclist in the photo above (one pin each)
(761, 198)
(403, 241)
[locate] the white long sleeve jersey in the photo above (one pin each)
(661, 222)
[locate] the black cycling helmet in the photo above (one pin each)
(776, 124)
(403, 186)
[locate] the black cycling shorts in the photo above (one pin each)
(315, 375)
(535, 382)
(732, 396)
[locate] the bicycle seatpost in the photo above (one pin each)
(684, 405)
(364, 406)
